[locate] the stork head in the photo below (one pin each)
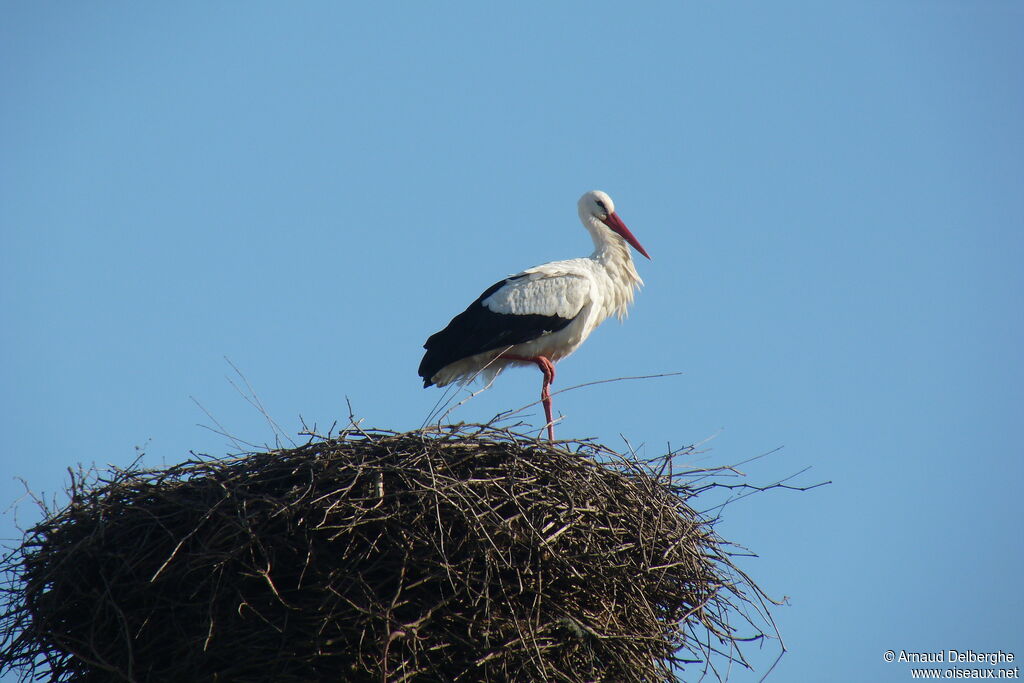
(597, 209)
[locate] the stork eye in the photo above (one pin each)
(600, 203)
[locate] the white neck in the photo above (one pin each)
(612, 253)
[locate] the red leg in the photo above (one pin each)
(548, 368)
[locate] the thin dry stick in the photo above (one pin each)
(452, 390)
(507, 414)
(254, 400)
(238, 443)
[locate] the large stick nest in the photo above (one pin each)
(459, 554)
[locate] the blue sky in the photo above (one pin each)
(831, 193)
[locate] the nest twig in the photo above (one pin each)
(459, 553)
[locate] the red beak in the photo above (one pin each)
(615, 223)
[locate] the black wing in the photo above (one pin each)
(479, 329)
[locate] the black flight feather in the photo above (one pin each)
(479, 329)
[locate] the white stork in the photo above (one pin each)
(542, 314)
